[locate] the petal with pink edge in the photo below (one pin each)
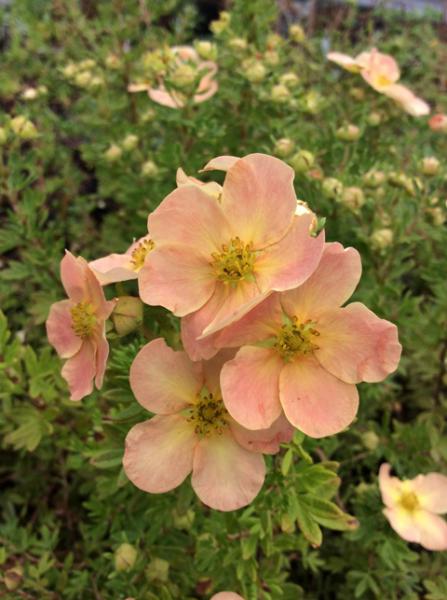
(209, 88)
(314, 401)
(177, 279)
(60, 331)
(356, 345)
(79, 371)
(73, 273)
(220, 163)
(225, 476)
(390, 487)
(158, 455)
(259, 199)
(191, 328)
(331, 284)
(410, 102)
(113, 268)
(163, 97)
(291, 261)
(431, 490)
(266, 441)
(250, 387)
(164, 381)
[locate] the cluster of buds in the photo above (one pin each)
(116, 150)
(20, 128)
(84, 74)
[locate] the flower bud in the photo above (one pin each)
(30, 93)
(184, 76)
(125, 557)
(290, 80)
(88, 63)
(238, 43)
(302, 161)
(113, 61)
(70, 70)
(357, 93)
(353, 198)
(284, 147)
(13, 578)
(271, 57)
(274, 40)
(221, 24)
(280, 94)
(438, 123)
(401, 180)
(130, 142)
(254, 71)
(158, 570)
(332, 188)
(148, 115)
(287, 524)
(374, 118)
(370, 440)
(381, 239)
(96, 82)
(296, 33)
(83, 79)
(312, 102)
(437, 214)
(149, 169)
(183, 520)
(348, 133)
(127, 314)
(205, 49)
(3, 135)
(429, 165)
(23, 128)
(374, 178)
(42, 90)
(113, 153)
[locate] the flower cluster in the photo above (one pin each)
(268, 344)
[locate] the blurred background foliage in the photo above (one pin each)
(82, 162)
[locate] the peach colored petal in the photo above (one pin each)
(344, 61)
(225, 476)
(355, 345)
(403, 524)
(250, 387)
(165, 98)
(290, 262)
(433, 530)
(159, 453)
(73, 276)
(380, 70)
(95, 294)
(60, 331)
(190, 217)
(410, 102)
(206, 94)
(266, 441)
(431, 490)
(390, 487)
(138, 87)
(113, 268)
(102, 354)
(162, 380)
(220, 163)
(210, 187)
(226, 596)
(438, 122)
(191, 328)
(177, 279)
(79, 371)
(213, 367)
(332, 283)
(314, 401)
(259, 199)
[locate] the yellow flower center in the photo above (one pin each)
(234, 262)
(382, 81)
(296, 338)
(83, 319)
(140, 253)
(409, 501)
(208, 415)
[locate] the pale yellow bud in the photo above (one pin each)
(87, 64)
(274, 40)
(130, 142)
(348, 133)
(83, 79)
(353, 198)
(382, 239)
(206, 50)
(429, 165)
(30, 93)
(96, 81)
(113, 153)
(42, 90)
(374, 119)
(357, 93)
(280, 94)
(125, 557)
(296, 33)
(221, 24)
(302, 161)
(70, 70)
(374, 178)
(184, 76)
(271, 57)
(370, 440)
(148, 115)
(312, 102)
(23, 128)
(183, 520)
(238, 43)
(254, 71)
(290, 80)
(332, 188)
(158, 570)
(127, 314)
(437, 214)
(113, 61)
(284, 147)
(149, 169)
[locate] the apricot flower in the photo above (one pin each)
(123, 267)
(381, 72)
(193, 432)
(76, 327)
(216, 259)
(413, 507)
(185, 76)
(303, 354)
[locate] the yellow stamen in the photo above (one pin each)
(83, 319)
(140, 253)
(296, 338)
(208, 415)
(381, 81)
(234, 262)
(409, 501)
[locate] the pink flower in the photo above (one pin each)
(76, 327)
(192, 432)
(183, 71)
(217, 259)
(413, 507)
(226, 596)
(381, 72)
(211, 187)
(438, 123)
(303, 354)
(122, 267)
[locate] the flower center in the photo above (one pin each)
(83, 319)
(382, 81)
(296, 338)
(409, 501)
(234, 262)
(208, 415)
(140, 253)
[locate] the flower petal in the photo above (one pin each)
(331, 284)
(421, 527)
(266, 441)
(356, 345)
(344, 61)
(165, 98)
(390, 487)
(177, 279)
(431, 490)
(73, 271)
(410, 102)
(226, 596)
(259, 199)
(314, 401)
(113, 268)
(79, 371)
(102, 354)
(291, 261)
(162, 380)
(250, 387)
(225, 476)
(60, 331)
(220, 163)
(159, 453)
(207, 88)
(403, 524)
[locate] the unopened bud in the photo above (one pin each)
(302, 161)
(238, 43)
(183, 520)
(83, 79)
(88, 63)
(353, 198)
(403, 181)
(284, 147)
(374, 178)
(184, 76)
(312, 102)
(23, 128)
(271, 57)
(370, 440)
(357, 93)
(429, 165)
(280, 94)
(332, 188)
(374, 118)
(254, 71)
(381, 239)
(158, 570)
(348, 133)
(70, 70)
(221, 24)
(149, 169)
(274, 40)
(125, 557)
(127, 314)
(130, 142)
(113, 153)
(205, 49)
(296, 33)
(96, 82)
(13, 578)
(148, 115)
(437, 214)
(113, 61)
(30, 93)
(290, 80)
